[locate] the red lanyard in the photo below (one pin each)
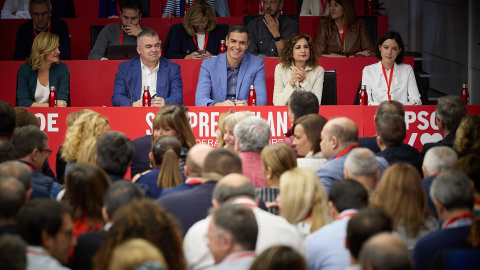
(389, 82)
(49, 27)
(463, 216)
(204, 45)
(36, 253)
(193, 181)
(121, 35)
(246, 202)
(324, 5)
(343, 34)
(118, 8)
(346, 151)
(348, 214)
(242, 255)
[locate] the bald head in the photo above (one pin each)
(196, 158)
(385, 251)
(338, 134)
(232, 186)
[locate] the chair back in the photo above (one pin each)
(371, 24)
(94, 32)
(329, 93)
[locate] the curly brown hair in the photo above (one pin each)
(286, 55)
(467, 139)
(147, 220)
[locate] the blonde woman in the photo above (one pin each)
(303, 200)
(276, 159)
(467, 138)
(136, 254)
(401, 194)
(42, 70)
(200, 36)
(229, 125)
(81, 138)
(221, 128)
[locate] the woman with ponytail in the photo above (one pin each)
(165, 155)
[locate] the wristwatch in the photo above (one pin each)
(277, 38)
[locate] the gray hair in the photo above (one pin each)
(223, 193)
(253, 134)
(361, 162)
(453, 190)
(451, 109)
(439, 159)
(18, 170)
(148, 33)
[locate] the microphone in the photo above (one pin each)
(128, 90)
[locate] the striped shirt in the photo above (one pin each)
(173, 7)
(267, 194)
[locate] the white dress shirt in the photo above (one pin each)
(149, 78)
(403, 87)
(39, 258)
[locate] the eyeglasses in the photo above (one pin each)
(49, 151)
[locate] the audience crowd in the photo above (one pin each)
(321, 199)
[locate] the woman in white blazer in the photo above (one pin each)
(298, 70)
(389, 79)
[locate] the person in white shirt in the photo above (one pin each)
(390, 79)
(16, 9)
(315, 8)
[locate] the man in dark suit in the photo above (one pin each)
(118, 194)
(449, 112)
(41, 22)
(161, 76)
(452, 195)
(192, 205)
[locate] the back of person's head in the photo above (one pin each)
(232, 119)
(279, 158)
(391, 128)
(253, 134)
(196, 159)
(41, 215)
(43, 44)
(237, 28)
(197, 13)
(395, 36)
(361, 162)
(132, 4)
(81, 138)
(7, 150)
(347, 194)
(18, 170)
(25, 118)
(12, 252)
(27, 138)
(467, 138)
(219, 163)
(390, 106)
(175, 117)
(232, 186)
(136, 254)
(114, 153)
(147, 220)
(7, 119)
(238, 221)
(279, 258)
(366, 223)
(119, 194)
(451, 110)
(303, 103)
(344, 129)
(439, 159)
(385, 251)
(86, 185)
(470, 164)
(12, 197)
(401, 193)
(73, 116)
(303, 194)
(453, 190)
(166, 152)
(312, 126)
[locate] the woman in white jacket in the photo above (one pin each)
(390, 79)
(298, 70)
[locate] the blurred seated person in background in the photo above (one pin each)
(341, 33)
(16, 9)
(41, 22)
(298, 70)
(200, 32)
(268, 32)
(109, 8)
(470, 164)
(162, 77)
(125, 32)
(136, 254)
(225, 80)
(176, 8)
(41, 71)
(313, 8)
(379, 77)
(467, 139)
(307, 130)
(230, 122)
(279, 257)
